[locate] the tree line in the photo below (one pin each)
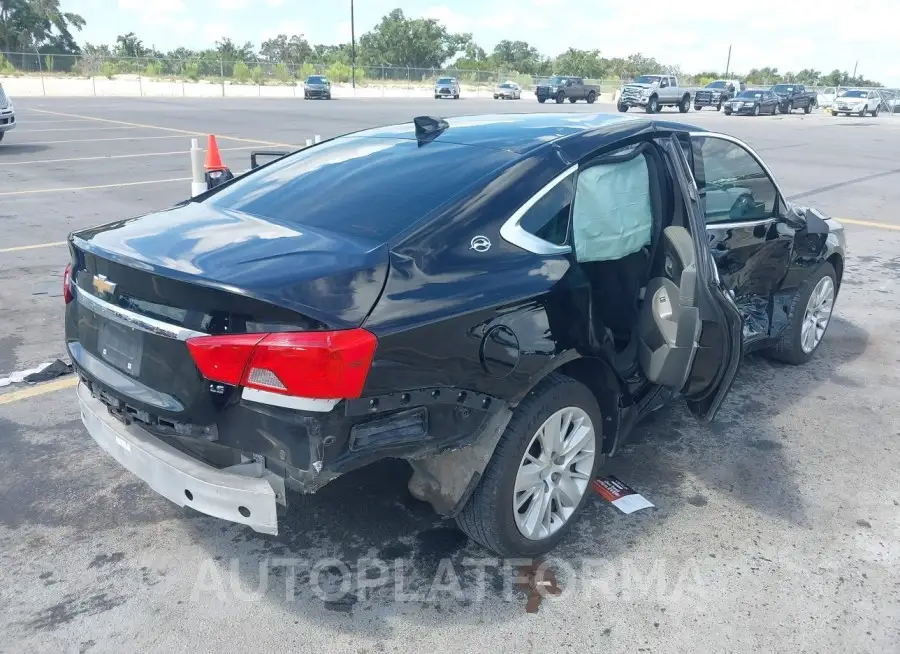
(395, 45)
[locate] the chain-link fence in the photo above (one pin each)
(104, 75)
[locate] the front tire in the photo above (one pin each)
(875, 112)
(542, 100)
(685, 105)
(560, 97)
(538, 479)
(653, 105)
(808, 108)
(808, 318)
(622, 107)
(592, 97)
(756, 110)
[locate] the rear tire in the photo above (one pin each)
(807, 108)
(697, 107)
(489, 516)
(790, 346)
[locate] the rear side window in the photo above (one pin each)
(371, 188)
(548, 219)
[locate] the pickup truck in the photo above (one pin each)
(562, 87)
(717, 93)
(794, 96)
(653, 92)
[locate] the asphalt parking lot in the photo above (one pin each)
(776, 527)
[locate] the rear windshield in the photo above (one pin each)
(366, 187)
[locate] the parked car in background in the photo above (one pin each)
(565, 87)
(753, 102)
(232, 348)
(7, 113)
(856, 101)
(508, 91)
(717, 93)
(794, 96)
(317, 86)
(653, 92)
(826, 96)
(446, 87)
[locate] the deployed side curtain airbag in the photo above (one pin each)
(612, 215)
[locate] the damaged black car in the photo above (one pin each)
(495, 299)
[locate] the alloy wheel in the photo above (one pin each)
(554, 473)
(818, 314)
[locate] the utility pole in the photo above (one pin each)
(352, 45)
(854, 69)
(728, 63)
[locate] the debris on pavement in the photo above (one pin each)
(538, 582)
(620, 494)
(43, 372)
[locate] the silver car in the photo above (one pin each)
(7, 114)
(508, 90)
(446, 87)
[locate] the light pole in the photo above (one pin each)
(352, 46)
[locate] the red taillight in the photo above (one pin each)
(67, 283)
(321, 365)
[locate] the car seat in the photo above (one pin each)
(617, 220)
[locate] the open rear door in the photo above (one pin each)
(690, 327)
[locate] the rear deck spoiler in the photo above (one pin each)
(265, 153)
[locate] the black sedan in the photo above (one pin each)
(753, 102)
(496, 299)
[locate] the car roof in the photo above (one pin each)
(521, 133)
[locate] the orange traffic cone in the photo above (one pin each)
(213, 158)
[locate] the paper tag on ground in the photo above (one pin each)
(620, 494)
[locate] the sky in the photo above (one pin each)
(785, 34)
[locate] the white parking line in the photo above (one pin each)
(96, 186)
(72, 129)
(112, 156)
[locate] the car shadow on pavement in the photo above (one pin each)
(363, 546)
(8, 149)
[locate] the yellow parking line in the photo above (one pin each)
(22, 248)
(868, 223)
(74, 129)
(114, 156)
(114, 138)
(42, 389)
(164, 129)
(96, 186)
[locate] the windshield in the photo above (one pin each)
(556, 81)
(716, 85)
(445, 80)
(506, 85)
(316, 79)
(750, 94)
(853, 94)
(783, 88)
(647, 79)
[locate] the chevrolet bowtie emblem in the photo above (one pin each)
(103, 285)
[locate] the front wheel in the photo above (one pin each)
(653, 105)
(756, 110)
(727, 111)
(719, 106)
(537, 480)
(622, 107)
(592, 97)
(560, 97)
(573, 100)
(808, 318)
(542, 100)
(875, 112)
(808, 108)
(685, 105)
(697, 107)
(2, 134)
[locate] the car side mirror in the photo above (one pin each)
(793, 218)
(742, 208)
